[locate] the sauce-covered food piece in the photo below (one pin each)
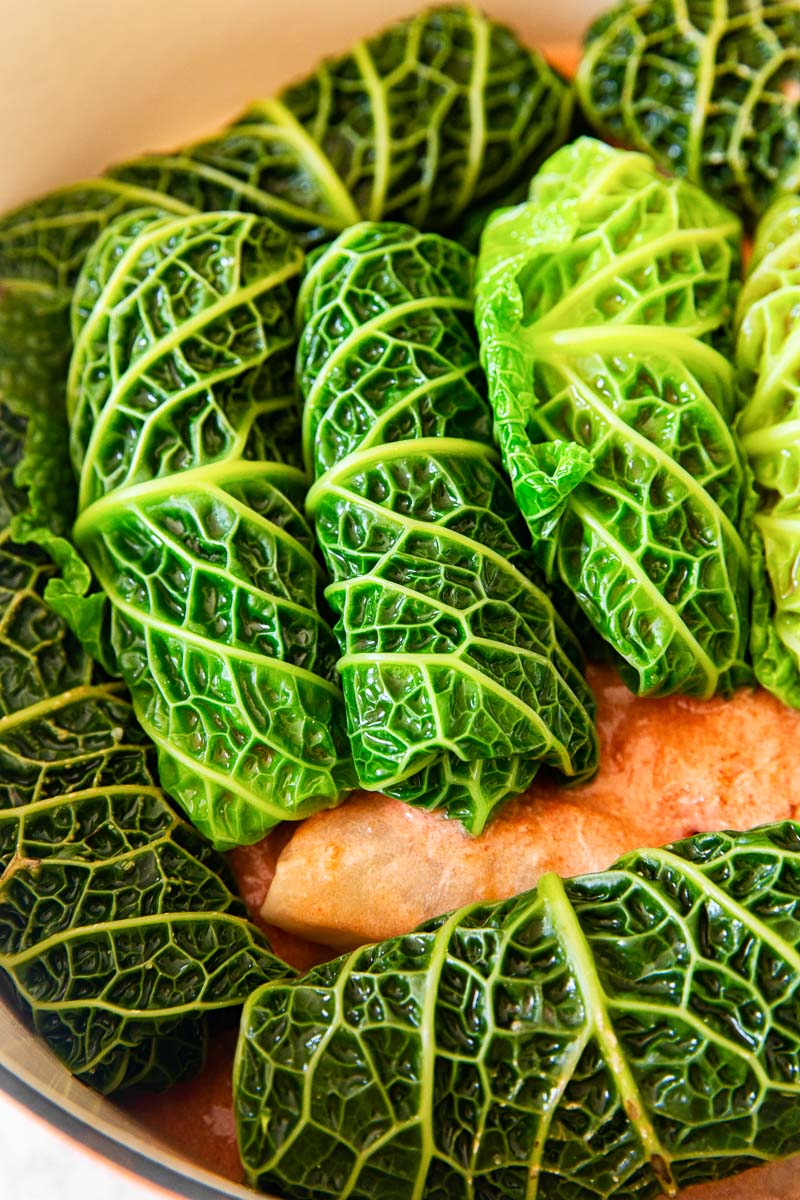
(374, 868)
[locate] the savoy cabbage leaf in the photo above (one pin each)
(596, 301)
(459, 676)
(621, 1034)
(119, 931)
(184, 426)
(709, 88)
(768, 357)
(42, 248)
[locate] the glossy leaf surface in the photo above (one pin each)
(622, 1034)
(768, 356)
(42, 248)
(596, 300)
(184, 425)
(118, 930)
(710, 90)
(459, 676)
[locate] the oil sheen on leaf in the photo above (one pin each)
(118, 930)
(623, 1034)
(710, 89)
(597, 300)
(459, 676)
(768, 356)
(184, 434)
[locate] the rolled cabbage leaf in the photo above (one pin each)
(42, 248)
(119, 931)
(596, 301)
(459, 676)
(621, 1034)
(710, 90)
(184, 430)
(768, 356)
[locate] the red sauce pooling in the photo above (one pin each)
(196, 1118)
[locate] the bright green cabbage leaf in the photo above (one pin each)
(710, 89)
(622, 1034)
(459, 676)
(119, 931)
(768, 356)
(595, 301)
(184, 426)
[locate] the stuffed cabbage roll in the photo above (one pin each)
(620, 1034)
(459, 676)
(599, 303)
(184, 432)
(710, 91)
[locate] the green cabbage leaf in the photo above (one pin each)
(768, 357)
(119, 930)
(184, 431)
(458, 674)
(596, 303)
(622, 1034)
(710, 90)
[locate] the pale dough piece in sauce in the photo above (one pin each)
(375, 867)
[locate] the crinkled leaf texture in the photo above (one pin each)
(709, 89)
(621, 1034)
(459, 676)
(768, 357)
(184, 427)
(42, 249)
(596, 300)
(118, 929)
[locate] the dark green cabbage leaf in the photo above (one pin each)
(436, 114)
(768, 357)
(184, 430)
(596, 300)
(622, 1034)
(119, 931)
(433, 118)
(42, 248)
(710, 90)
(459, 676)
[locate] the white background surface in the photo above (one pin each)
(38, 1164)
